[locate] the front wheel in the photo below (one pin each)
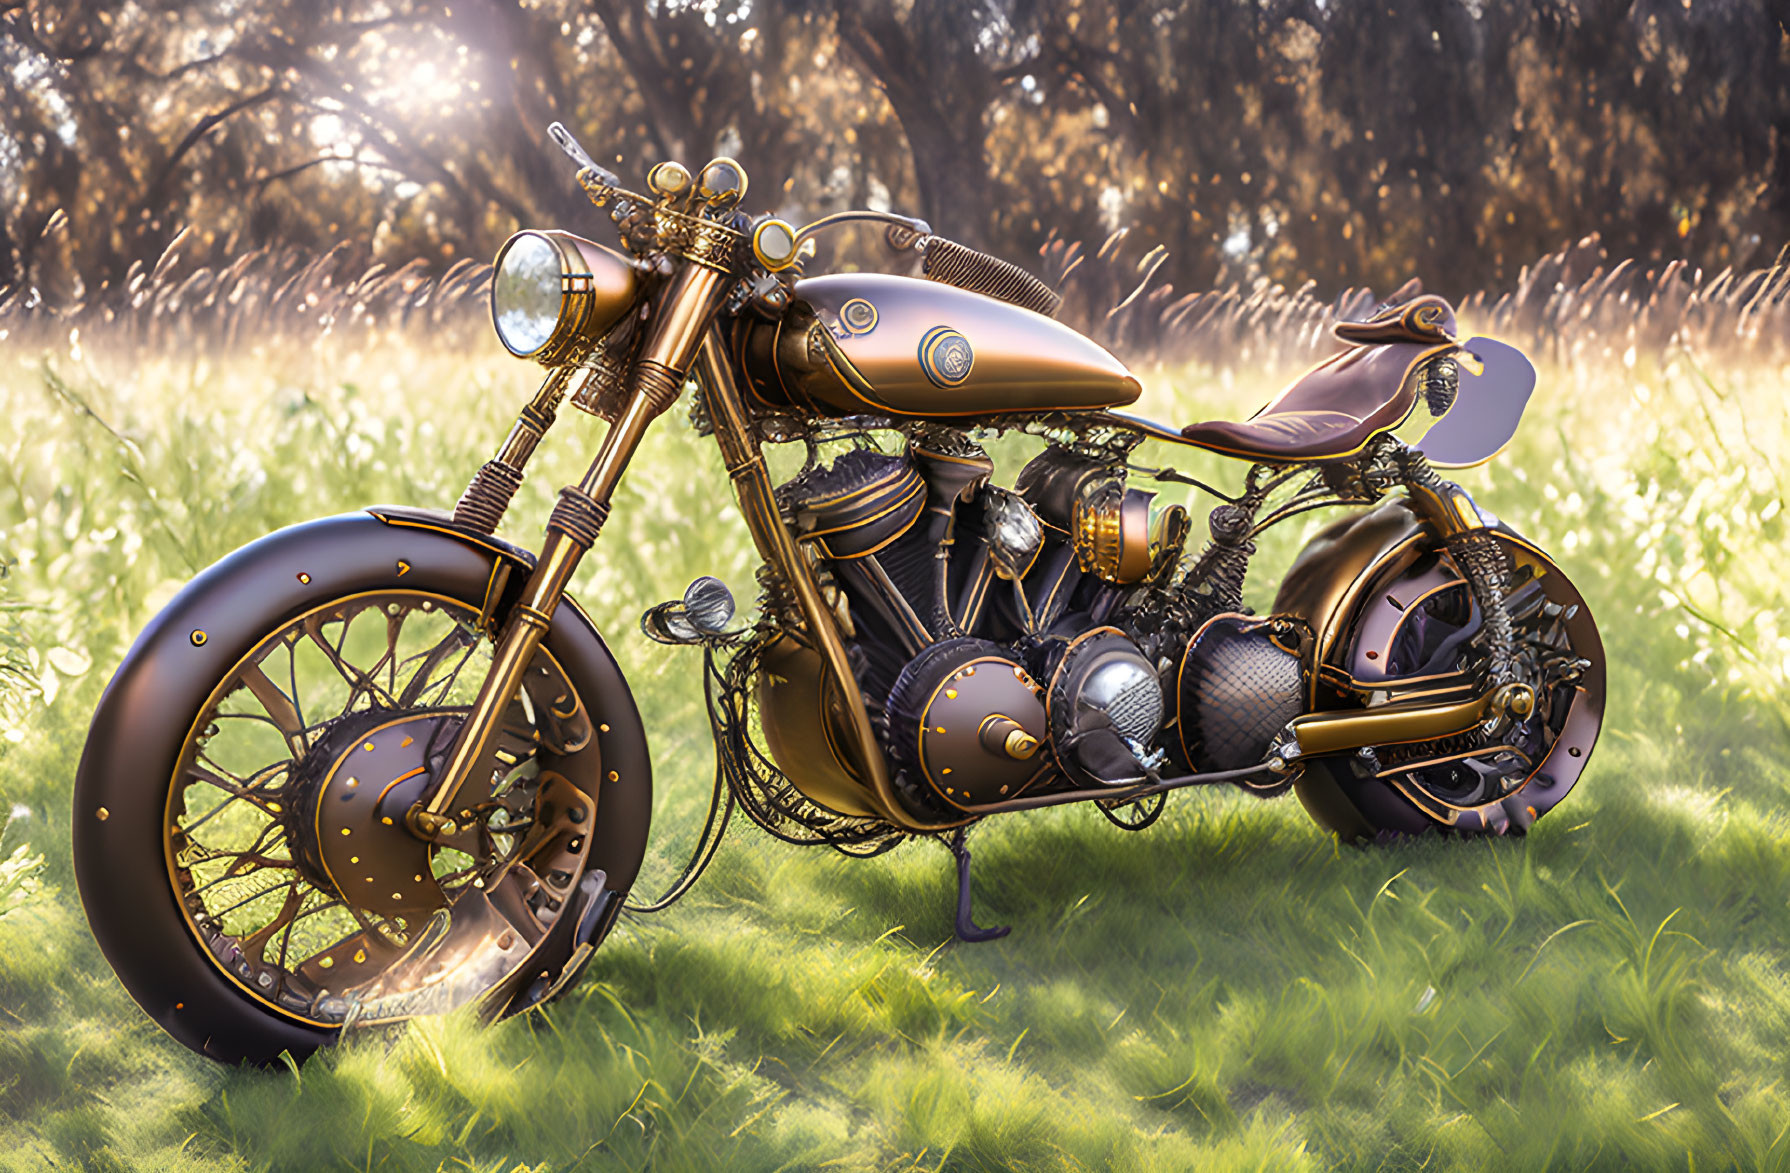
(1419, 619)
(240, 842)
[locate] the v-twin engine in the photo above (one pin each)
(1011, 640)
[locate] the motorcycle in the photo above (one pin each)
(381, 765)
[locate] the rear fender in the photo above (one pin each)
(1326, 582)
(1332, 585)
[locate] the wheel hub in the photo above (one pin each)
(356, 783)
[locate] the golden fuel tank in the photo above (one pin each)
(877, 344)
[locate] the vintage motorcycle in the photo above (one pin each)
(381, 765)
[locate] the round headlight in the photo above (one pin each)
(553, 294)
(527, 296)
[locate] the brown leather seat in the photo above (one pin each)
(1346, 400)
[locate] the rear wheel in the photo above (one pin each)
(1422, 621)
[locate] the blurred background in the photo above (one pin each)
(243, 252)
(1180, 145)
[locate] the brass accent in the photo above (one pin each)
(681, 315)
(500, 577)
(694, 239)
(859, 756)
(102, 814)
(199, 637)
(1399, 724)
(404, 777)
(669, 178)
(773, 235)
(858, 316)
(1111, 530)
(715, 184)
(1020, 745)
(597, 286)
(1514, 700)
(429, 825)
(946, 356)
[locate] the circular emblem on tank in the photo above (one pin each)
(858, 316)
(945, 356)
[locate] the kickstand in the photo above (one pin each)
(966, 928)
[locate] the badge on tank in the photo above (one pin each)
(858, 316)
(945, 356)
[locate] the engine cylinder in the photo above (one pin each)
(864, 501)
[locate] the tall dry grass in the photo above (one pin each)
(1229, 990)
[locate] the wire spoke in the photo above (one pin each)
(255, 944)
(359, 682)
(237, 788)
(432, 659)
(447, 682)
(287, 913)
(281, 709)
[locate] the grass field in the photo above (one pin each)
(1228, 990)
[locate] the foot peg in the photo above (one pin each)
(967, 929)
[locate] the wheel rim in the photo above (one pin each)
(272, 761)
(1550, 747)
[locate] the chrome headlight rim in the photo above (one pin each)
(575, 297)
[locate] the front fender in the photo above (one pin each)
(157, 692)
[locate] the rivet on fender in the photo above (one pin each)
(199, 638)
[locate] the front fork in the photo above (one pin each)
(680, 319)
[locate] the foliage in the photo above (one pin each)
(1337, 142)
(1227, 990)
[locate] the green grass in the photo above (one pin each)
(1229, 989)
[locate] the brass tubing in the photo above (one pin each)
(680, 316)
(488, 497)
(657, 376)
(752, 483)
(532, 424)
(1398, 724)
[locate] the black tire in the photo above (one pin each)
(154, 699)
(1362, 809)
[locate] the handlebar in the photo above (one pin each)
(683, 223)
(563, 139)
